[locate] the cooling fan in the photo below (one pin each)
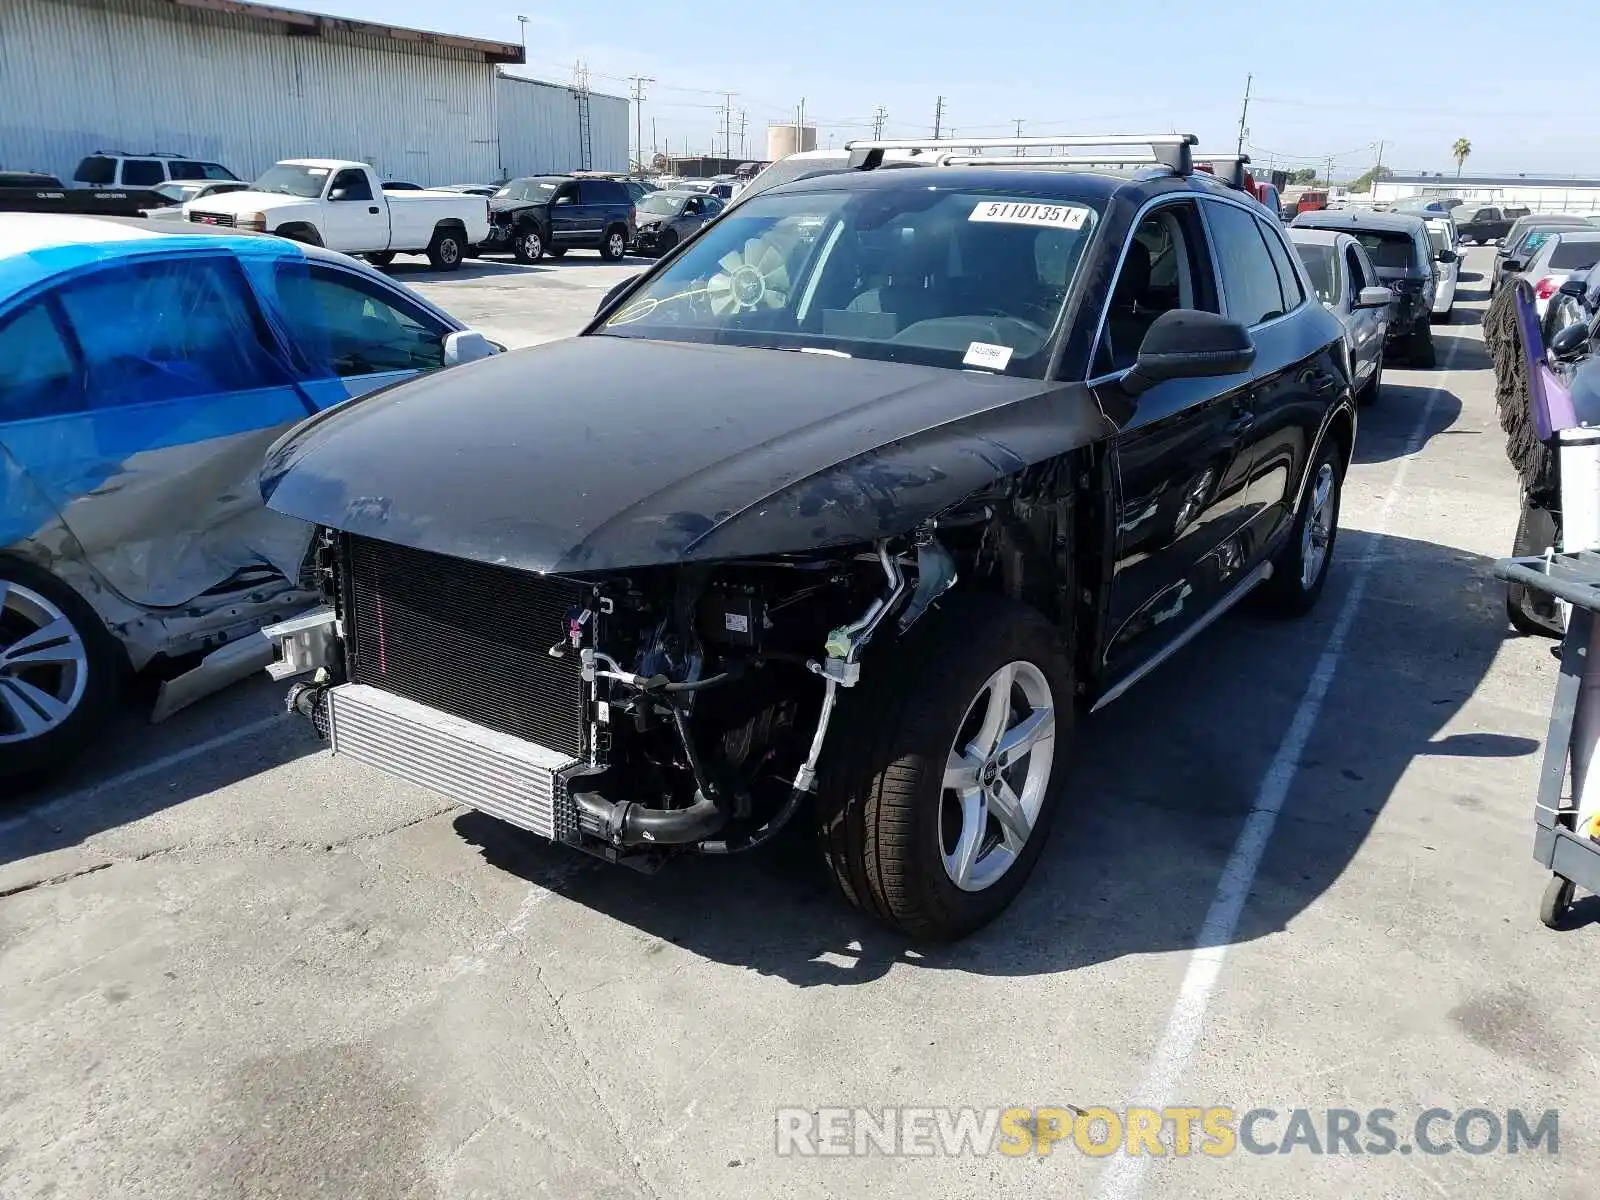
(756, 277)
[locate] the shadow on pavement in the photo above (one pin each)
(1384, 429)
(1161, 783)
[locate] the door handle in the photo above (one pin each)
(373, 210)
(1322, 382)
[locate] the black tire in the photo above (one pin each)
(306, 235)
(1441, 318)
(1555, 902)
(556, 252)
(1368, 395)
(446, 250)
(882, 791)
(104, 675)
(667, 244)
(527, 244)
(614, 246)
(1533, 613)
(380, 259)
(1420, 350)
(1287, 593)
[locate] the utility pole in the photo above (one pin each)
(1327, 179)
(1245, 111)
(800, 125)
(638, 115)
(655, 142)
(727, 124)
(878, 118)
(742, 151)
(938, 117)
(1018, 124)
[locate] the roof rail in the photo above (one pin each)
(1171, 150)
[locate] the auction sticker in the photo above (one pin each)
(1025, 212)
(986, 354)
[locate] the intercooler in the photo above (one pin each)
(467, 639)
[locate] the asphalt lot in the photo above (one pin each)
(229, 968)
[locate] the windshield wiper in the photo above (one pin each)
(814, 350)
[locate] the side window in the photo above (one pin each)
(594, 191)
(566, 194)
(355, 324)
(198, 331)
(1356, 269)
(142, 172)
(186, 170)
(1288, 280)
(692, 207)
(1249, 279)
(353, 183)
(713, 204)
(1164, 267)
(38, 372)
(214, 171)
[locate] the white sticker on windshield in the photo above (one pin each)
(985, 354)
(1025, 212)
(316, 171)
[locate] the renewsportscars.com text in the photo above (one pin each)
(1179, 1131)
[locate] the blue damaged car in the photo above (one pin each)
(143, 374)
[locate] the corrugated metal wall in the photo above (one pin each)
(539, 128)
(84, 75)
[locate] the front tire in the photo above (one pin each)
(615, 245)
(941, 786)
(1300, 568)
(1420, 352)
(527, 245)
(380, 259)
(61, 673)
(1368, 395)
(446, 250)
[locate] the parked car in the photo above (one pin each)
(1562, 254)
(552, 214)
(142, 378)
(471, 189)
(663, 219)
(100, 170)
(179, 194)
(35, 192)
(1407, 264)
(1482, 223)
(1344, 279)
(638, 189)
(341, 205)
(28, 179)
(400, 185)
(951, 520)
(1442, 236)
(1525, 237)
(1423, 206)
(1576, 302)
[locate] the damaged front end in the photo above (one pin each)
(625, 713)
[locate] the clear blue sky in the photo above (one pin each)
(1330, 78)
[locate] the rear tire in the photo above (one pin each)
(1420, 352)
(446, 250)
(1532, 613)
(556, 252)
(1300, 568)
(615, 244)
(58, 689)
(1368, 395)
(895, 836)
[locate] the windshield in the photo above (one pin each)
(1438, 238)
(1319, 265)
(527, 189)
(178, 192)
(286, 179)
(661, 204)
(928, 275)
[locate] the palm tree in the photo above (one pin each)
(1459, 152)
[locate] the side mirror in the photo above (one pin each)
(1188, 344)
(1571, 344)
(1446, 256)
(605, 301)
(1513, 265)
(1575, 287)
(1374, 297)
(339, 194)
(466, 345)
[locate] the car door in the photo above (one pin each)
(1179, 462)
(1367, 326)
(354, 217)
(1293, 382)
(600, 201)
(150, 447)
(350, 333)
(566, 217)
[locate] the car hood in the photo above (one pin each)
(600, 452)
(510, 205)
(246, 201)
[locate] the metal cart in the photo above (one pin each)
(1564, 821)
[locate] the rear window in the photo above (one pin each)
(1574, 256)
(186, 170)
(1318, 262)
(97, 170)
(1387, 249)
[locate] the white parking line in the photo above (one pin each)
(1125, 1175)
(155, 767)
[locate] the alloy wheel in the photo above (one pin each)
(1318, 529)
(44, 664)
(617, 244)
(532, 245)
(996, 776)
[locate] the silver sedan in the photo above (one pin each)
(1347, 284)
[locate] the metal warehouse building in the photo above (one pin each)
(246, 84)
(1541, 194)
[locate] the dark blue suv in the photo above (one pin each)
(551, 214)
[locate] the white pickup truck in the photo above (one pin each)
(342, 205)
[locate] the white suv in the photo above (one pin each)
(144, 170)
